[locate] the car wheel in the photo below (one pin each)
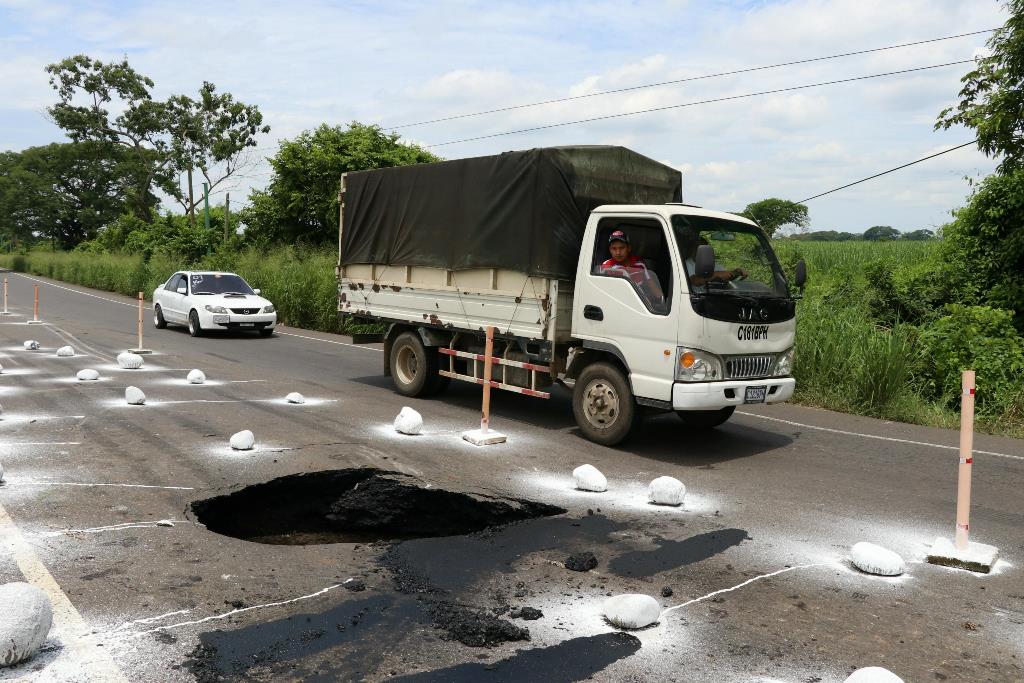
(705, 419)
(267, 332)
(158, 318)
(603, 404)
(194, 328)
(413, 366)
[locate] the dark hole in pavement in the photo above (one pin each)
(361, 505)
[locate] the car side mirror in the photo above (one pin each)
(801, 273)
(704, 264)
(257, 291)
(182, 290)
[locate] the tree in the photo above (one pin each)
(163, 138)
(992, 97)
(301, 202)
(881, 233)
(771, 214)
(919, 235)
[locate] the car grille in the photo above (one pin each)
(245, 311)
(745, 367)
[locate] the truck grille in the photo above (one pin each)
(746, 367)
(245, 311)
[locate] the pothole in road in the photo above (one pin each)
(361, 505)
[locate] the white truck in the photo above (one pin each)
(593, 272)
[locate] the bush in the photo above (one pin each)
(976, 338)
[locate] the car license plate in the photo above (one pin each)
(218, 319)
(754, 394)
(251, 324)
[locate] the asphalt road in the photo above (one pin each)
(775, 499)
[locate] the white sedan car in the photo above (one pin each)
(212, 301)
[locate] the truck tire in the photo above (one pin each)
(414, 366)
(705, 419)
(603, 404)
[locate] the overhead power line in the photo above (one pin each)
(872, 177)
(685, 80)
(699, 102)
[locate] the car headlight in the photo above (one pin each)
(269, 309)
(215, 309)
(784, 363)
(694, 365)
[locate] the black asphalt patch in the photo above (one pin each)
(672, 554)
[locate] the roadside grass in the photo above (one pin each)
(845, 360)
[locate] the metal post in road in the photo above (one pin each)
(5, 296)
(484, 436)
(140, 349)
(35, 308)
(963, 491)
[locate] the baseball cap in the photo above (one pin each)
(618, 235)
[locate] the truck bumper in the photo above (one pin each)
(716, 395)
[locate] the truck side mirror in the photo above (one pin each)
(704, 264)
(801, 273)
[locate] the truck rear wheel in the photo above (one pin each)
(414, 367)
(603, 404)
(705, 419)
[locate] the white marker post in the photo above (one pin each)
(484, 436)
(963, 554)
(140, 350)
(5, 296)
(35, 309)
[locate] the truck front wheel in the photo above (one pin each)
(414, 366)
(705, 419)
(603, 404)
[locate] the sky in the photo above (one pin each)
(394, 63)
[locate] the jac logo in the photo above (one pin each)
(752, 332)
(753, 313)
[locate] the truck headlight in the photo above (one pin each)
(269, 309)
(215, 309)
(694, 365)
(784, 363)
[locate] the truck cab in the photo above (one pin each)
(699, 319)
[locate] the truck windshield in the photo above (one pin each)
(745, 264)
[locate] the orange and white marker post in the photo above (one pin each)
(139, 348)
(962, 553)
(484, 436)
(35, 308)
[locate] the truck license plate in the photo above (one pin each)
(754, 394)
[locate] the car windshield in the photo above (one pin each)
(745, 264)
(219, 283)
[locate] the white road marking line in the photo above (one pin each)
(136, 634)
(112, 527)
(745, 583)
(875, 436)
(43, 443)
(331, 341)
(76, 291)
(38, 482)
(92, 660)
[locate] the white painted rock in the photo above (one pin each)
(631, 610)
(295, 397)
(1, 473)
(196, 377)
(24, 621)
(666, 491)
(589, 478)
(1, 369)
(129, 360)
(65, 352)
(874, 559)
(31, 345)
(408, 421)
(243, 441)
(88, 375)
(134, 396)
(873, 674)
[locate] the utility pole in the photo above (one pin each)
(191, 199)
(206, 204)
(227, 215)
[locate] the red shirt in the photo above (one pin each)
(634, 267)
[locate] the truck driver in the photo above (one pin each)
(625, 264)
